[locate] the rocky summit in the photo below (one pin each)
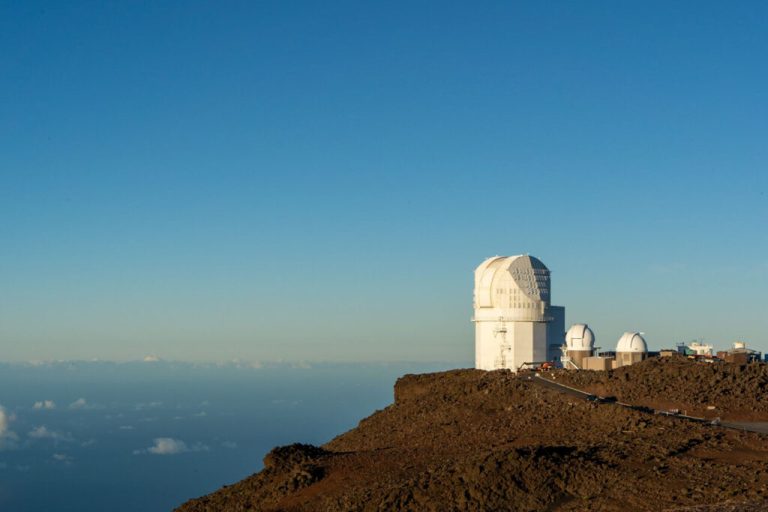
(471, 440)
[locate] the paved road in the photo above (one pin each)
(757, 426)
(538, 379)
(760, 427)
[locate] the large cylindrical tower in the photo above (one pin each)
(513, 315)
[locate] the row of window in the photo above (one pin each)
(513, 291)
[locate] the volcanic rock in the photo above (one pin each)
(470, 440)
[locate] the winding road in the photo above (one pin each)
(759, 427)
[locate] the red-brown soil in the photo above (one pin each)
(469, 440)
(729, 391)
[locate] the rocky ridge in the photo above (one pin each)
(729, 391)
(469, 440)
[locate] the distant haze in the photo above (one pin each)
(317, 181)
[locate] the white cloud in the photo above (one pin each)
(200, 414)
(80, 403)
(148, 405)
(127, 427)
(7, 436)
(151, 358)
(62, 457)
(168, 446)
(283, 401)
(45, 404)
(171, 446)
(229, 444)
(5, 421)
(42, 432)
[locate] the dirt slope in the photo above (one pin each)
(731, 391)
(474, 440)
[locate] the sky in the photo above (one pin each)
(316, 181)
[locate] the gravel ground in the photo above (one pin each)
(475, 441)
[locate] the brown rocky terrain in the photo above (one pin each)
(475, 441)
(729, 391)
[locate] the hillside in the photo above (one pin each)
(474, 440)
(728, 391)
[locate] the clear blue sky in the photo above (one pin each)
(317, 180)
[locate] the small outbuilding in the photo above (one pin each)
(598, 363)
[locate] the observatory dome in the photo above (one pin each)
(631, 342)
(520, 285)
(515, 323)
(580, 337)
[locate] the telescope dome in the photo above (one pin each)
(631, 342)
(580, 337)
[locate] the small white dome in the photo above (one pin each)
(580, 337)
(631, 342)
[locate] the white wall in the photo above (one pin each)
(523, 342)
(512, 294)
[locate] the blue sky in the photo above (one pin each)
(317, 180)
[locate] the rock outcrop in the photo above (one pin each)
(725, 390)
(469, 440)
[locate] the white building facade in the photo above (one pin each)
(700, 349)
(515, 323)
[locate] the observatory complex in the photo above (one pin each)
(515, 324)
(517, 327)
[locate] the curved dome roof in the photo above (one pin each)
(511, 282)
(631, 342)
(580, 337)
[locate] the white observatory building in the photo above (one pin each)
(579, 344)
(514, 321)
(631, 349)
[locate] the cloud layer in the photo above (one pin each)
(80, 403)
(7, 436)
(42, 432)
(171, 446)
